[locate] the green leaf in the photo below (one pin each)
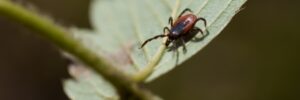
(120, 26)
(88, 86)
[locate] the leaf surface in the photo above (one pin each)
(128, 23)
(88, 85)
(121, 26)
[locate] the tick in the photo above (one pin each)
(180, 28)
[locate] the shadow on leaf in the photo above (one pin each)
(190, 36)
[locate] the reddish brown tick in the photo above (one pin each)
(180, 28)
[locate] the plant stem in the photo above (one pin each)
(58, 36)
(143, 74)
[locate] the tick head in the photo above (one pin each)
(174, 34)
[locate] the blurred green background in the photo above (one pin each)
(255, 58)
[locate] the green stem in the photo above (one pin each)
(58, 36)
(143, 74)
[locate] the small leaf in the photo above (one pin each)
(88, 86)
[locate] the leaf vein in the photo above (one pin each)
(136, 27)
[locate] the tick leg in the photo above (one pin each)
(183, 44)
(185, 10)
(155, 37)
(205, 24)
(171, 21)
(203, 19)
(166, 29)
(199, 30)
(197, 39)
(168, 42)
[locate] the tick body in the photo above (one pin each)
(180, 28)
